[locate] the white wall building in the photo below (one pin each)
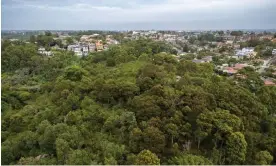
(85, 50)
(44, 52)
(274, 52)
(245, 52)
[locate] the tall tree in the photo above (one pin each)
(236, 147)
(146, 157)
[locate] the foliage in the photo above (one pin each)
(146, 157)
(263, 158)
(132, 104)
(236, 148)
(189, 159)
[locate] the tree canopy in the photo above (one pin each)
(132, 104)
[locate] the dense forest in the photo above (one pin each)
(133, 104)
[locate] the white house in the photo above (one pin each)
(78, 53)
(92, 47)
(78, 50)
(274, 52)
(245, 52)
(44, 52)
(85, 50)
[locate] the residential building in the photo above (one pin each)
(274, 52)
(239, 66)
(198, 61)
(230, 70)
(99, 46)
(229, 42)
(269, 83)
(266, 37)
(92, 47)
(245, 52)
(207, 59)
(236, 46)
(85, 50)
(78, 52)
(44, 52)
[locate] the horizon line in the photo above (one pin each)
(139, 29)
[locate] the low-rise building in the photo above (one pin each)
(274, 52)
(99, 46)
(198, 61)
(230, 70)
(44, 52)
(92, 47)
(236, 46)
(269, 83)
(234, 69)
(240, 66)
(85, 50)
(229, 42)
(79, 50)
(245, 52)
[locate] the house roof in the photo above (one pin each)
(230, 70)
(269, 83)
(198, 61)
(239, 66)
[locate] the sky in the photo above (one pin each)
(137, 14)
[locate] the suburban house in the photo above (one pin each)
(230, 70)
(229, 42)
(92, 47)
(274, 52)
(205, 59)
(72, 47)
(234, 69)
(236, 46)
(245, 52)
(78, 49)
(239, 66)
(85, 50)
(198, 61)
(86, 38)
(269, 83)
(44, 52)
(266, 37)
(99, 46)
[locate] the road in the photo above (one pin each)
(266, 64)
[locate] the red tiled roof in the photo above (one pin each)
(269, 83)
(231, 70)
(239, 66)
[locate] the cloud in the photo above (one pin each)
(122, 12)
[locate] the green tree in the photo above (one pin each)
(189, 159)
(69, 40)
(172, 130)
(32, 39)
(79, 157)
(267, 95)
(153, 139)
(263, 158)
(146, 157)
(236, 148)
(6, 155)
(74, 73)
(62, 150)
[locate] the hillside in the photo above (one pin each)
(133, 104)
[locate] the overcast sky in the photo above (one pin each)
(138, 14)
